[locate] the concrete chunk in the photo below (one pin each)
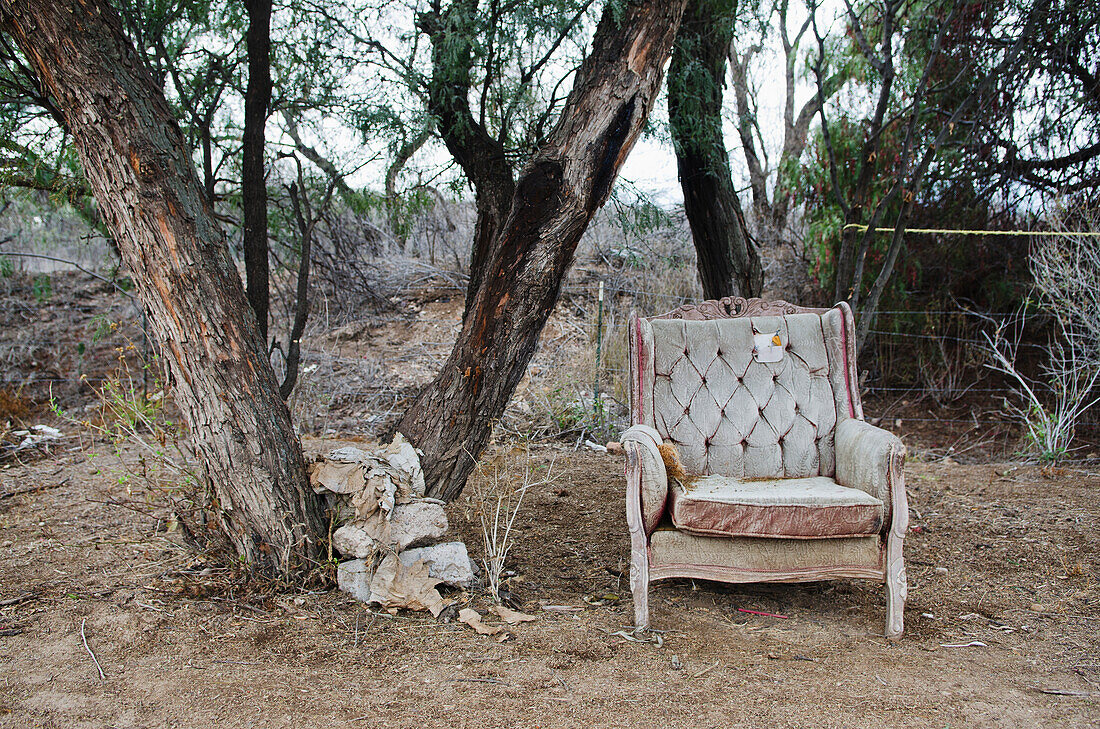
(354, 576)
(353, 541)
(448, 562)
(409, 525)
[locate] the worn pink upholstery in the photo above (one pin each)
(796, 508)
(778, 452)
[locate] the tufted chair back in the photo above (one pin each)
(694, 378)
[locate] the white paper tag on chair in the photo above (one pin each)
(767, 346)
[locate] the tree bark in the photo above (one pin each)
(257, 101)
(135, 160)
(729, 264)
(567, 180)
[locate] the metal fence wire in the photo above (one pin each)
(946, 364)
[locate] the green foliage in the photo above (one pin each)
(42, 288)
(102, 326)
(639, 217)
(813, 187)
(1041, 436)
(406, 209)
(571, 411)
(7, 268)
(130, 413)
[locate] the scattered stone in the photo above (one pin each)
(38, 435)
(354, 577)
(941, 570)
(1038, 607)
(448, 562)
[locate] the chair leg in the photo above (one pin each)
(639, 587)
(897, 588)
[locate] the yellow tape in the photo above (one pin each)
(950, 231)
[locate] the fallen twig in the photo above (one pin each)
(18, 599)
(83, 637)
(480, 680)
(33, 489)
(705, 671)
(761, 612)
(5, 632)
(646, 636)
(1066, 692)
(241, 663)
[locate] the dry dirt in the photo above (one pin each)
(181, 644)
(1001, 554)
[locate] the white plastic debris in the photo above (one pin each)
(38, 435)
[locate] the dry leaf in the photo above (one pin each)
(512, 617)
(339, 478)
(472, 618)
(395, 585)
(401, 455)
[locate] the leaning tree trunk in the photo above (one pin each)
(257, 99)
(728, 261)
(557, 194)
(135, 160)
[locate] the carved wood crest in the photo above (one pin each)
(731, 307)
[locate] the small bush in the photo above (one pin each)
(42, 288)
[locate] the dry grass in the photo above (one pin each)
(14, 406)
(497, 491)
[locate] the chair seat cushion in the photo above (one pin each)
(799, 508)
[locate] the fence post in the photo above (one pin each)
(596, 410)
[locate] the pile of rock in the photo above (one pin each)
(389, 529)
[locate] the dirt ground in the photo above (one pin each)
(1000, 626)
(181, 645)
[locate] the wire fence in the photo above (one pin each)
(363, 380)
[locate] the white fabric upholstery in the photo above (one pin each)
(863, 457)
(729, 414)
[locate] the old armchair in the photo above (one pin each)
(781, 479)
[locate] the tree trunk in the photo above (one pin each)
(568, 179)
(135, 160)
(480, 155)
(257, 100)
(729, 264)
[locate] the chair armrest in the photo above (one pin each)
(871, 459)
(646, 480)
